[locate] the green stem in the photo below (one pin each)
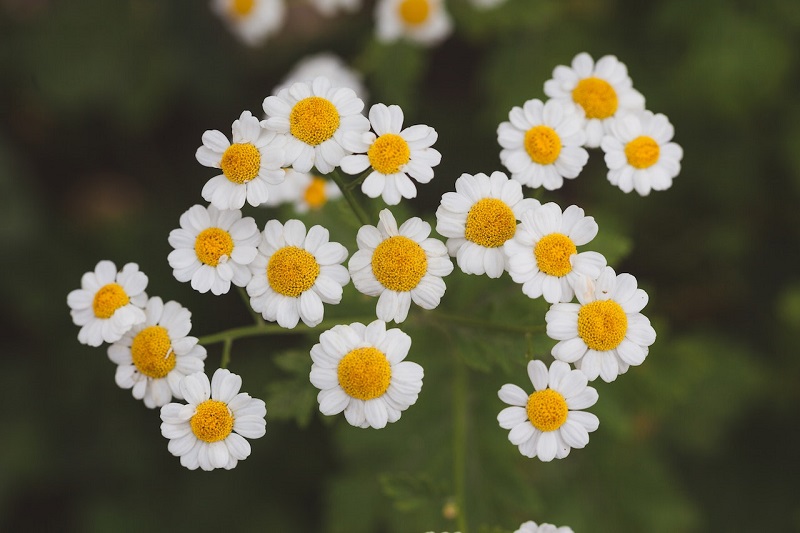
(356, 182)
(351, 198)
(257, 318)
(460, 388)
(226, 353)
(258, 330)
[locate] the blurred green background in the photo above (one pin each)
(103, 105)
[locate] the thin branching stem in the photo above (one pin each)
(351, 198)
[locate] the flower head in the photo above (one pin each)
(155, 355)
(421, 21)
(531, 527)
(400, 265)
(360, 370)
(252, 21)
(328, 65)
(211, 429)
(549, 422)
(305, 191)
(330, 7)
(604, 334)
(109, 303)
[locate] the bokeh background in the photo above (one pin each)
(103, 105)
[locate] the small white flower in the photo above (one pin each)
(531, 527)
(360, 370)
(400, 265)
(604, 334)
(602, 90)
(394, 154)
(109, 303)
(486, 4)
(328, 65)
(210, 431)
(425, 22)
(252, 21)
(549, 422)
(213, 248)
(253, 161)
(157, 354)
(295, 273)
(543, 254)
(478, 218)
(315, 117)
(330, 7)
(305, 191)
(542, 143)
(639, 153)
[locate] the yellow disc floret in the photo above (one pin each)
(242, 8)
(547, 410)
(291, 271)
(314, 194)
(602, 325)
(490, 223)
(108, 299)
(543, 144)
(152, 352)
(212, 244)
(597, 97)
(241, 162)
(414, 12)
(388, 153)
(313, 120)
(552, 254)
(364, 373)
(399, 263)
(212, 421)
(642, 152)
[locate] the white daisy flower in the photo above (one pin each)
(400, 265)
(315, 117)
(532, 527)
(479, 218)
(295, 273)
(543, 255)
(109, 303)
(360, 370)
(425, 22)
(486, 4)
(604, 334)
(305, 191)
(330, 7)
(602, 90)
(213, 248)
(157, 354)
(328, 65)
(394, 154)
(210, 431)
(549, 422)
(252, 21)
(542, 143)
(253, 161)
(639, 153)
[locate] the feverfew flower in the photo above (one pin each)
(329, 7)
(157, 354)
(602, 90)
(328, 65)
(479, 218)
(305, 191)
(639, 153)
(314, 117)
(213, 248)
(109, 303)
(252, 21)
(604, 334)
(422, 21)
(210, 430)
(543, 255)
(394, 154)
(549, 422)
(486, 4)
(253, 161)
(400, 265)
(295, 273)
(542, 143)
(360, 370)
(531, 527)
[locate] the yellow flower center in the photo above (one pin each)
(552, 254)
(602, 325)
(547, 410)
(152, 352)
(364, 373)
(490, 223)
(414, 12)
(212, 244)
(291, 271)
(313, 120)
(212, 421)
(597, 97)
(642, 152)
(315, 195)
(241, 162)
(388, 153)
(242, 8)
(543, 144)
(108, 299)
(399, 263)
